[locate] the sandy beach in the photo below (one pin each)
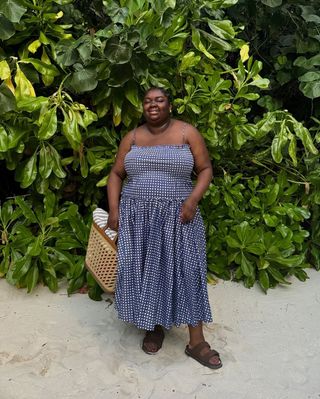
(58, 347)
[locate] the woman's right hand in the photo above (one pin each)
(113, 220)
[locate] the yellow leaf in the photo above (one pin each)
(210, 279)
(33, 47)
(205, 52)
(5, 72)
(59, 15)
(9, 84)
(44, 57)
(47, 80)
(117, 119)
(244, 52)
(24, 87)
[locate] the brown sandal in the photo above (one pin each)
(204, 358)
(154, 337)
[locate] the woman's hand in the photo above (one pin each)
(188, 210)
(113, 220)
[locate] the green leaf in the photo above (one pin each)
(31, 104)
(66, 244)
(309, 14)
(12, 10)
(132, 94)
(196, 41)
(32, 278)
(84, 80)
(26, 209)
(262, 83)
(63, 2)
(310, 76)
(57, 168)
(117, 51)
(278, 143)
(3, 139)
(270, 220)
(310, 89)
(291, 261)
(89, 117)
(293, 150)
(95, 292)
(67, 53)
(83, 166)
(42, 67)
(49, 124)
(245, 233)
(7, 99)
(119, 75)
(256, 248)
(21, 267)
(29, 171)
(35, 247)
(7, 29)
(45, 162)
(188, 61)
(277, 275)
(50, 281)
(264, 280)
(246, 266)
(160, 6)
(305, 137)
(272, 3)
(272, 195)
(71, 130)
(49, 204)
(223, 29)
(232, 242)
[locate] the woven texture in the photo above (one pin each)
(101, 258)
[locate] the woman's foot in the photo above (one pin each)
(152, 341)
(204, 354)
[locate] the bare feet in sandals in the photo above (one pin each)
(205, 355)
(152, 341)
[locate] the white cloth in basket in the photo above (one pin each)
(100, 217)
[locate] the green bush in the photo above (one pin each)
(72, 81)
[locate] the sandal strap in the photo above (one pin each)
(196, 351)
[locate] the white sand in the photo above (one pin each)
(57, 347)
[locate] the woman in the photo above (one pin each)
(161, 245)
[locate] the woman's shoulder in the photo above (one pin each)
(183, 125)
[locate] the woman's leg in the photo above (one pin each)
(196, 338)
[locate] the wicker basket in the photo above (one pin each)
(101, 258)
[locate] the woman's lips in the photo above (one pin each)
(153, 112)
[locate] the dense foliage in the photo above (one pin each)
(72, 78)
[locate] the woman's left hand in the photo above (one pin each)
(188, 210)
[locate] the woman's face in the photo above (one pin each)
(156, 106)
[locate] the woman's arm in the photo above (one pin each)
(115, 180)
(203, 170)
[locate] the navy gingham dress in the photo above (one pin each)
(161, 262)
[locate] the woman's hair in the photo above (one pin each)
(163, 91)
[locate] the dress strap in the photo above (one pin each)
(184, 134)
(133, 142)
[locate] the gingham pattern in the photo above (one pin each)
(161, 262)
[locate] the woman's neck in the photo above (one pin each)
(158, 129)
